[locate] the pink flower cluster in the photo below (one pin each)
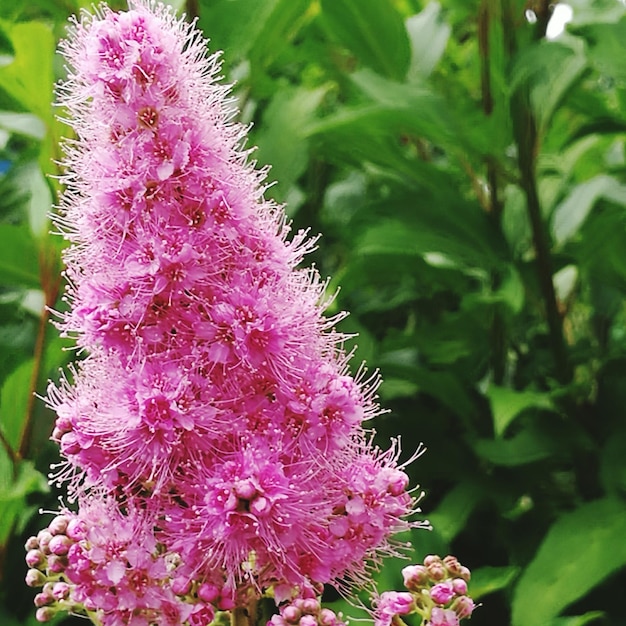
(437, 592)
(213, 435)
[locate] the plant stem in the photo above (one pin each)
(495, 206)
(526, 136)
(50, 282)
(192, 9)
(240, 617)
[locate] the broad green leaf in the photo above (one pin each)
(39, 198)
(263, 27)
(596, 12)
(527, 446)
(606, 46)
(507, 404)
(23, 124)
(449, 518)
(548, 71)
(18, 257)
(13, 493)
(570, 214)
(463, 236)
(7, 52)
(581, 549)
(417, 109)
(280, 139)
(373, 31)
(29, 79)
(428, 34)
(579, 620)
(14, 398)
(486, 580)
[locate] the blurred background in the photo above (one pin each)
(465, 163)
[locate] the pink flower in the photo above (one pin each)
(442, 593)
(213, 435)
(391, 603)
(443, 617)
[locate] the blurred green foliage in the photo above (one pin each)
(469, 177)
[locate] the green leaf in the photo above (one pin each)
(449, 518)
(373, 31)
(428, 34)
(486, 580)
(30, 179)
(580, 550)
(578, 620)
(25, 124)
(280, 139)
(18, 257)
(527, 446)
(462, 235)
(570, 214)
(29, 79)
(606, 47)
(13, 493)
(14, 397)
(507, 404)
(548, 71)
(263, 27)
(418, 109)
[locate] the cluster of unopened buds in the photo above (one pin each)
(47, 559)
(437, 592)
(306, 612)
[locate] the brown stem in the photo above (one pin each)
(10, 453)
(527, 139)
(50, 282)
(192, 9)
(239, 617)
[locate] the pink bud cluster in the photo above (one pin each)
(437, 592)
(306, 611)
(213, 416)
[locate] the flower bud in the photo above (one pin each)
(61, 591)
(181, 586)
(460, 586)
(56, 563)
(463, 607)
(35, 558)
(415, 576)
(292, 614)
(310, 606)
(328, 618)
(226, 603)
(58, 525)
(436, 572)
(45, 614)
(42, 599)
(59, 545)
(431, 559)
(442, 593)
(308, 620)
(32, 543)
(35, 578)
(443, 617)
(208, 592)
(76, 529)
(44, 537)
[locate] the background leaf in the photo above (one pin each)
(587, 544)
